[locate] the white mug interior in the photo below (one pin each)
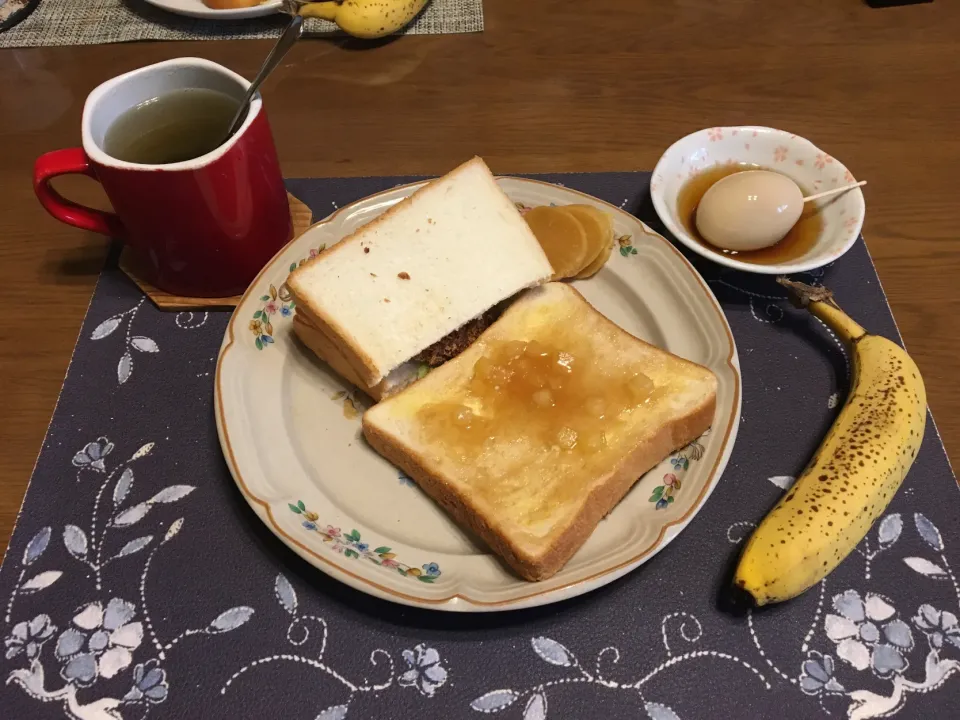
(114, 97)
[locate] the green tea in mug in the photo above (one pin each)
(174, 127)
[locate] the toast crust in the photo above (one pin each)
(603, 495)
(364, 366)
(327, 350)
(602, 499)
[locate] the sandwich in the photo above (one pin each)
(509, 399)
(414, 287)
(535, 432)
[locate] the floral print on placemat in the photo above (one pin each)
(133, 344)
(108, 660)
(422, 668)
(139, 344)
(600, 677)
(869, 635)
(111, 635)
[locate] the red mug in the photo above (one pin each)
(202, 228)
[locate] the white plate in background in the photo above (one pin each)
(196, 8)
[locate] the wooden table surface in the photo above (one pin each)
(550, 85)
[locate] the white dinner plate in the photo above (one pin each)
(290, 431)
(196, 8)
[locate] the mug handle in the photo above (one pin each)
(71, 162)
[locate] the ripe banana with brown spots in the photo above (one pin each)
(853, 475)
(368, 19)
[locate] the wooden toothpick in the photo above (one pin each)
(826, 193)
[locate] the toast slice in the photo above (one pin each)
(537, 430)
(325, 349)
(427, 266)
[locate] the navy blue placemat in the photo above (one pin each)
(139, 583)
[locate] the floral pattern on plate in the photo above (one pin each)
(352, 402)
(276, 301)
(350, 545)
(625, 243)
(663, 494)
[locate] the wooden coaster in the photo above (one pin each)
(302, 219)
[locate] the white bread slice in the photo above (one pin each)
(326, 350)
(532, 502)
(428, 265)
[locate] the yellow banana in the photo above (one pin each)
(853, 475)
(365, 18)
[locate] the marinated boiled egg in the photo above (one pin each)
(749, 210)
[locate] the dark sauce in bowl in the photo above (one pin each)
(797, 243)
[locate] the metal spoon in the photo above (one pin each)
(287, 40)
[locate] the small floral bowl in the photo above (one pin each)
(799, 159)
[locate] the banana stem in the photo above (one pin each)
(820, 302)
(324, 10)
